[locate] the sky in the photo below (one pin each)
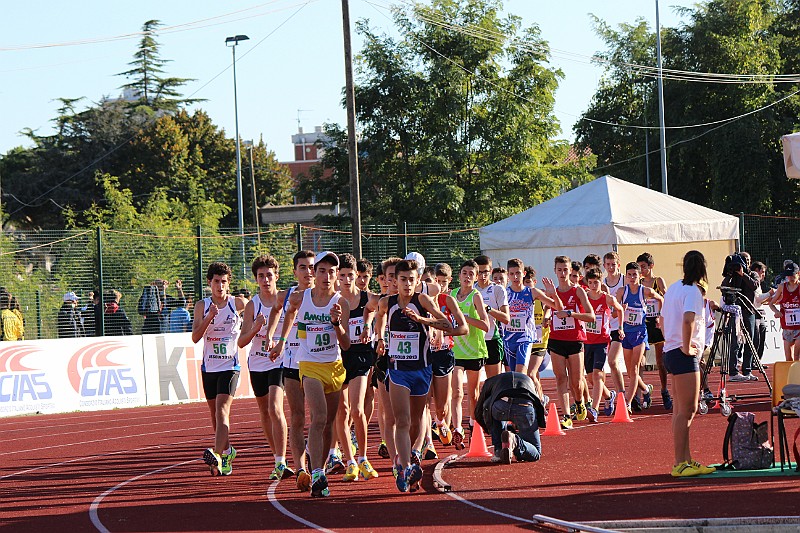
(291, 69)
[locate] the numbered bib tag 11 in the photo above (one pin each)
(356, 329)
(404, 345)
(320, 338)
(792, 317)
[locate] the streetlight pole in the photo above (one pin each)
(256, 223)
(352, 143)
(232, 42)
(662, 129)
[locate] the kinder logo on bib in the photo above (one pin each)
(93, 373)
(18, 382)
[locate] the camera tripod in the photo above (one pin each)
(724, 347)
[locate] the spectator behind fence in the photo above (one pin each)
(91, 314)
(69, 321)
(180, 321)
(155, 305)
(12, 324)
(15, 308)
(116, 320)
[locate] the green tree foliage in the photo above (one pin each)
(451, 120)
(732, 167)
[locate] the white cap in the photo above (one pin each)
(70, 297)
(416, 256)
(322, 255)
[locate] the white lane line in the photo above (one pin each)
(286, 512)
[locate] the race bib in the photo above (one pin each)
(792, 317)
(404, 345)
(634, 316)
(539, 331)
(517, 322)
(595, 327)
(278, 329)
(293, 341)
(651, 307)
(356, 329)
(320, 338)
(261, 343)
(563, 324)
(220, 348)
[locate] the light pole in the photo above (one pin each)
(256, 223)
(662, 128)
(232, 42)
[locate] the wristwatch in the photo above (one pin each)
(569, 312)
(336, 324)
(488, 308)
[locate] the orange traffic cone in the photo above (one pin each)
(477, 443)
(553, 426)
(621, 410)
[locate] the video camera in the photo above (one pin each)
(733, 296)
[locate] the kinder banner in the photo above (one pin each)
(53, 376)
(172, 367)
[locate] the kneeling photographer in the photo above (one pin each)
(737, 276)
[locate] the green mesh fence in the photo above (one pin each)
(38, 268)
(770, 239)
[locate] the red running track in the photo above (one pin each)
(140, 470)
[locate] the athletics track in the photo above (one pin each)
(140, 470)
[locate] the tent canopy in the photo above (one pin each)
(609, 211)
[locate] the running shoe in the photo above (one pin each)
(666, 399)
(580, 411)
(611, 403)
(635, 405)
(395, 471)
(334, 465)
(279, 472)
(214, 461)
(591, 414)
(752, 377)
(353, 441)
(435, 431)
(413, 477)
(572, 409)
(509, 441)
(708, 396)
(647, 401)
(704, 470)
(496, 458)
(738, 378)
(458, 439)
(430, 452)
(351, 474)
(416, 457)
(227, 462)
(303, 481)
(684, 470)
(589, 403)
(545, 400)
(445, 435)
(566, 422)
(319, 485)
(383, 451)
(401, 478)
(366, 470)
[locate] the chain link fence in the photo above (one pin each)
(38, 268)
(770, 239)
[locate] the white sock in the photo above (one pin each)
(362, 458)
(332, 452)
(351, 462)
(227, 452)
(279, 459)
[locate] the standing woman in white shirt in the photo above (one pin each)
(683, 315)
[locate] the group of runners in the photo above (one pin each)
(335, 350)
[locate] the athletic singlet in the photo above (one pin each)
(472, 345)
(220, 351)
(408, 340)
(635, 311)
(790, 308)
(612, 290)
(292, 344)
(653, 306)
(495, 297)
(543, 333)
(522, 325)
(318, 341)
(709, 322)
(568, 328)
(355, 326)
(439, 341)
(598, 332)
(258, 359)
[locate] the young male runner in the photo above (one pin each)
(364, 274)
(496, 301)
(633, 298)
(500, 276)
(654, 335)
(321, 316)
(614, 281)
(788, 297)
(567, 335)
(410, 371)
(358, 361)
(266, 375)
(470, 349)
(217, 322)
(303, 269)
(598, 337)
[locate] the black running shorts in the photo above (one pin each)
(262, 381)
(496, 352)
(215, 383)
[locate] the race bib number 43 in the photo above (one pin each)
(404, 345)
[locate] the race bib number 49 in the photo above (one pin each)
(320, 338)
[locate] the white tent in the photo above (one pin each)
(611, 214)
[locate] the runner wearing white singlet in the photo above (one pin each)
(614, 281)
